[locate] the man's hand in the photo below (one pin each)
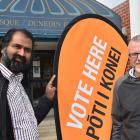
(50, 89)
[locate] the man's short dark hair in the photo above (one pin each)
(8, 36)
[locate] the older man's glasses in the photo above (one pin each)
(134, 55)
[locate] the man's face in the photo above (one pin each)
(17, 55)
(134, 55)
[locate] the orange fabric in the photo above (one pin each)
(93, 56)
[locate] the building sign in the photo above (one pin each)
(47, 17)
(91, 55)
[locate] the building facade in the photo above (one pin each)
(47, 20)
(129, 12)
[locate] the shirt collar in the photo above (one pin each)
(8, 74)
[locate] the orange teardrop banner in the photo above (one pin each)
(90, 56)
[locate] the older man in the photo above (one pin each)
(126, 102)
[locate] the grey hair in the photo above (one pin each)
(136, 38)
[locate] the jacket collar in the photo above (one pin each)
(131, 72)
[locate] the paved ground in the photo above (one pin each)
(47, 128)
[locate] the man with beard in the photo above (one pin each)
(126, 99)
(18, 119)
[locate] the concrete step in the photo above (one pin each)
(47, 129)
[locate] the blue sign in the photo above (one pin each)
(48, 18)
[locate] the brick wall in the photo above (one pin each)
(123, 11)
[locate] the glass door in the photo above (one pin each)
(41, 72)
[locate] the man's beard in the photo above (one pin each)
(16, 64)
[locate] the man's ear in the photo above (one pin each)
(2, 50)
(0, 53)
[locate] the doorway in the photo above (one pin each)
(42, 70)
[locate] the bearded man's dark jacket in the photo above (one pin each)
(41, 109)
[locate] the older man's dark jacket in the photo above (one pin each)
(6, 129)
(126, 109)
